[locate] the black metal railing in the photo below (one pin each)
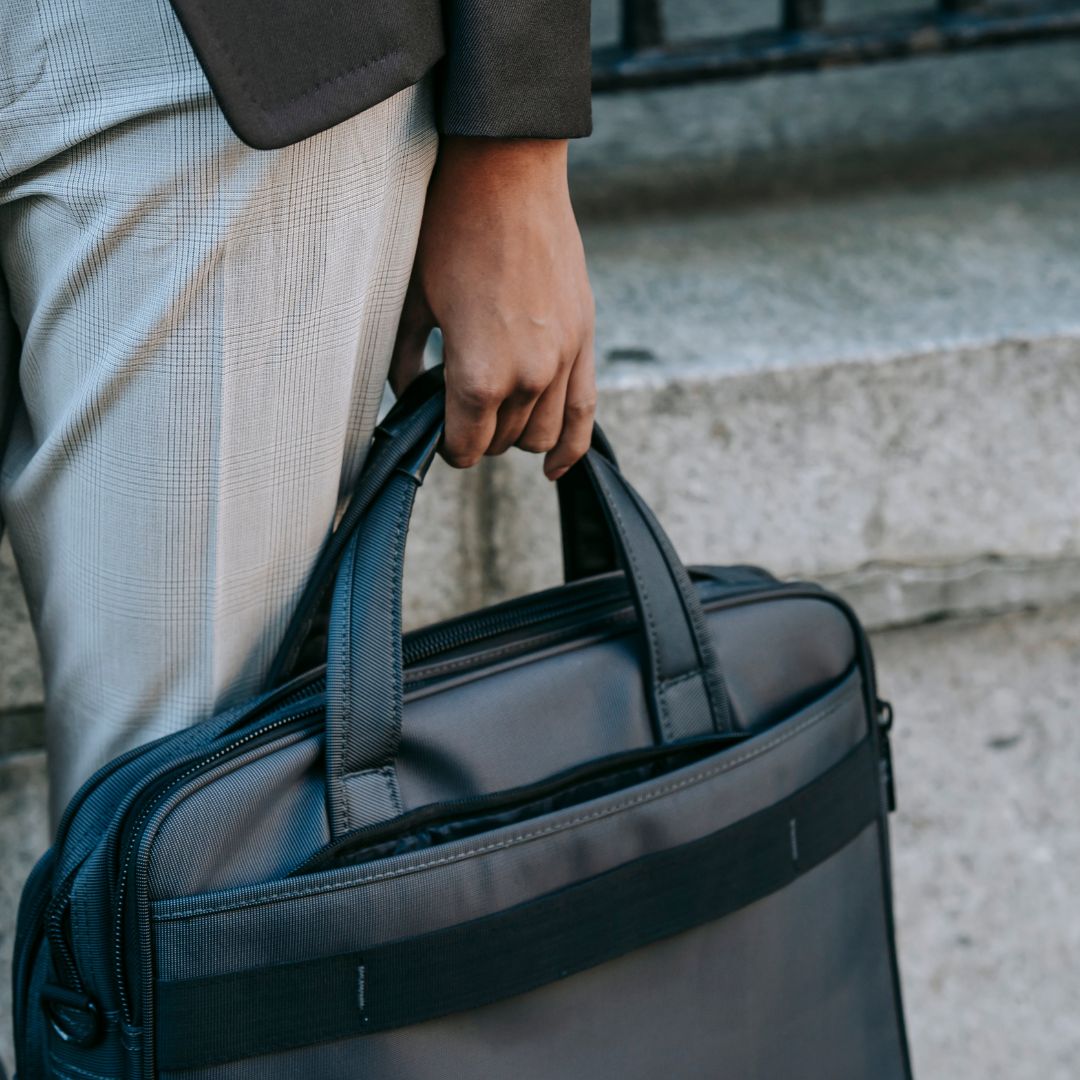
(804, 41)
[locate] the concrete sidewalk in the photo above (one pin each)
(987, 842)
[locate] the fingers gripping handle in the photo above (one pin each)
(586, 537)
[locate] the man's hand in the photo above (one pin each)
(501, 271)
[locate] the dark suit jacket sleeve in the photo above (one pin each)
(283, 70)
(516, 68)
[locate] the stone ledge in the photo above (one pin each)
(919, 486)
(889, 596)
(928, 460)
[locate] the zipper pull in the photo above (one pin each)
(885, 722)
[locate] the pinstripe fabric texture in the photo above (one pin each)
(202, 338)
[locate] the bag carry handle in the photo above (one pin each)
(418, 407)
(586, 538)
(685, 691)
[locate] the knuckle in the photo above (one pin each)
(479, 396)
(460, 452)
(531, 384)
(581, 409)
(461, 459)
(536, 376)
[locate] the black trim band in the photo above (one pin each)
(209, 1021)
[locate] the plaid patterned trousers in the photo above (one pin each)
(194, 342)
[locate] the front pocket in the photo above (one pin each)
(443, 823)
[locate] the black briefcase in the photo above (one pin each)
(631, 827)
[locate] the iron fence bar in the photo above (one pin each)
(642, 24)
(958, 5)
(803, 14)
(863, 42)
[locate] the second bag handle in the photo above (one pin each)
(685, 691)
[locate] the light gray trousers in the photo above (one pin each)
(196, 337)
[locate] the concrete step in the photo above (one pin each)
(986, 843)
(855, 277)
(842, 129)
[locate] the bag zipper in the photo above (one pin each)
(130, 837)
(608, 596)
(513, 616)
(54, 912)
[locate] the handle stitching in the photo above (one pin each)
(675, 680)
(397, 553)
(341, 754)
(665, 722)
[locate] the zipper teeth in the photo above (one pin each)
(426, 644)
(423, 648)
(143, 914)
(54, 930)
(57, 905)
(108, 770)
(118, 922)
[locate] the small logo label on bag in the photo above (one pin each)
(361, 987)
(793, 834)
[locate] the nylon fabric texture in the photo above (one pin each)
(199, 338)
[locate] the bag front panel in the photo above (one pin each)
(793, 974)
(534, 717)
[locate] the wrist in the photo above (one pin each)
(500, 162)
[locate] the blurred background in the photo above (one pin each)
(839, 337)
